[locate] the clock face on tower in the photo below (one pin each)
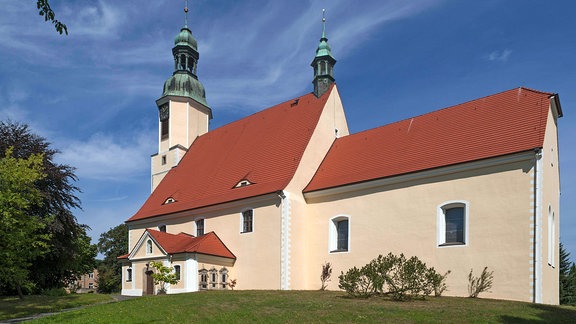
(164, 112)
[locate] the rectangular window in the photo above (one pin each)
(342, 231)
(129, 274)
(90, 285)
(454, 225)
(200, 227)
(91, 275)
(164, 129)
(247, 221)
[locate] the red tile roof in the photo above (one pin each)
(500, 124)
(209, 243)
(264, 148)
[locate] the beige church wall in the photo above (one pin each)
(332, 118)
(402, 218)
(550, 205)
(258, 252)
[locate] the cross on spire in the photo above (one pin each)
(186, 13)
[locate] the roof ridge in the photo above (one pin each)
(446, 108)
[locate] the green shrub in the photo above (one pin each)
(401, 278)
(356, 283)
(437, 281)
(54, 292)
(476, 285)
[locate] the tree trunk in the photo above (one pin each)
(19, 289)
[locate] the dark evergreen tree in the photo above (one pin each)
(112, 244)
(71, 253)
(567, 278)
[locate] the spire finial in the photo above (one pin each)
(323, 23)
(186, 14)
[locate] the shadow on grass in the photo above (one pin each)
(546, 314)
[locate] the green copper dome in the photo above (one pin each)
(185, 38)
(185, 85)
(323, 48)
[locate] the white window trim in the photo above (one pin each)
(129, 274)
(333, 234)
(441, 223)
(242, 221)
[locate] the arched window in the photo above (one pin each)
(213, 278)
(203, 278)
(551, 237)
(177, 271)
(149, 247)
(452, 223)
(200, 227)
(247, 221)
(129, 274)
(224, 277)
(339, 234)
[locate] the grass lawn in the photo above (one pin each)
(310, 306)
(13, 307)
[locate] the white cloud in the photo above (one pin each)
(108, 157)
(500, 56)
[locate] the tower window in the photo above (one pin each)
(163, 159)
(164, 129)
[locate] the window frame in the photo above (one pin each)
(203, 227)
(129, 275)
(149, 248)
(178, 271)
(243, 221)
(333, 235)
(441, 223)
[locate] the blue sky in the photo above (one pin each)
(92, 94)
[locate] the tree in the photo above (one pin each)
(112, 244)
(567, 278)
(163, 275)
(45, 10)
(70, 254)
(21, 235)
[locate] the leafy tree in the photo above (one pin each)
(45, 10)
(112, 244)
(567, 278)
(21, 235)
(163, 275)
(70, 254)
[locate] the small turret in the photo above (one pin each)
(323, 63)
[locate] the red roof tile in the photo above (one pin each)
(500, 124)
(209, 243)
(264, 148)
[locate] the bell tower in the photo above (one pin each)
(183, 113)
(323, 63)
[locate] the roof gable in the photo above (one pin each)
(264, 149)
(500, 124)
(209, 244)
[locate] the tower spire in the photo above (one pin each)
(186, 14)
(323, 63)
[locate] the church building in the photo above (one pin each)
(265, 201)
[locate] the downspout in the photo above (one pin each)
(537, 280)
(285, 241)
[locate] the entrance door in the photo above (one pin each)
(149, 289)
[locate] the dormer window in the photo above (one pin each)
(243, 183)
(169, 201)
